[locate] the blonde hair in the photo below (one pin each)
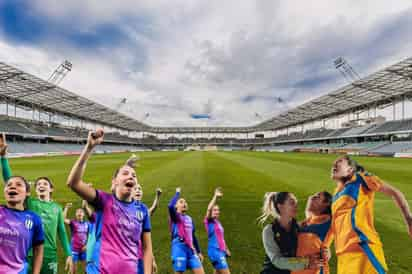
(268, 210)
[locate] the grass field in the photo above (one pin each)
(244, 177)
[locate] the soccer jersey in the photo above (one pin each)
(352, 211)
(79, 231)
(215, 233)
(311, 237)
(19, 231)
(93, 242)
(121, 226)
(51, 215)
(182, 226)
(146, 223)
(356, 241)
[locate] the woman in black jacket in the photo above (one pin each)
(280, 236)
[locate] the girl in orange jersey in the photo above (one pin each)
(314, 230)
(358, 246)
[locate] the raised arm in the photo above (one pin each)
(132, 161)
(65, 210)
(75, 181)
(155, 204)
(86, 207)
(172, 204)
(218, 193)
(195, 241)
(5, 167)
(401, 202)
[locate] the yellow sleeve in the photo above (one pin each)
(373, 182)
(329, 238)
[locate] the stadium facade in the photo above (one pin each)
(40, 117)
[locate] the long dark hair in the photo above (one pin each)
(327, 199)
(26, 183)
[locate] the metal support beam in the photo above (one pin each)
(9, 76)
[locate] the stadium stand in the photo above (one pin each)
(392, 148)
(25, 147)
(393, 126)
(373, 135)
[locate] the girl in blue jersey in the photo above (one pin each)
(217, 249)
(20, 230)
(185, 248)
(137, 195)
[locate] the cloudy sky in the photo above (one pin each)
(178, 59)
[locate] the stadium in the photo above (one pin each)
(47, 125)
(351, 113)
(250, 158)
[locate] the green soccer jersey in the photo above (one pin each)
(51, 215)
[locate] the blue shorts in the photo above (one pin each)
(218, 259)
(140, 266)
(91, 268)
(183, 257)
(78, 256)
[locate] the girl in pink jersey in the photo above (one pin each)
(185, 248)
(217, 248)
(79, 228)
(122, 225)
(20, 230)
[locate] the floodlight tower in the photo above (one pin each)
(348, 72)
(346, 69)
(146, 115)
(60, 72)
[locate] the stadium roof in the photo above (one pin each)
(28, 90)
(380, 88)
(201, 129)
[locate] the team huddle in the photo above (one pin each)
(116, 235)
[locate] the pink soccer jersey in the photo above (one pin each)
(215, 233)
(79, 231)
(122, 226)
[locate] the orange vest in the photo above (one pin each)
(311, 238)
(352, 213)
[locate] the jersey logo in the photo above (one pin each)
(139, 215)
(28, 224)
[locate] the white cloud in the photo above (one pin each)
(182, 56)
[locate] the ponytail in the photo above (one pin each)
(270, 210)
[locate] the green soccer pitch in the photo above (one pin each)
(244, 177)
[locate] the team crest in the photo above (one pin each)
(28, 224)
(139, 215)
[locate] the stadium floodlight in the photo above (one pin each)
(146, 115)
(346, 69)
(60, 72)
